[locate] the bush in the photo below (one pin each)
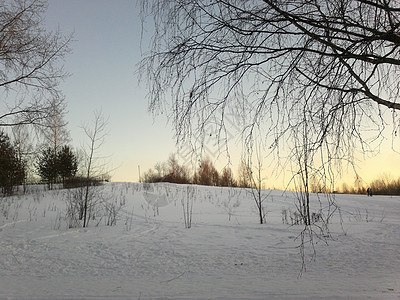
(77, 182)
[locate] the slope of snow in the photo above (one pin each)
(149, 254)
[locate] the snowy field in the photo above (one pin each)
(149, 254)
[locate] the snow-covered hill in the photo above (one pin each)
(226, 254)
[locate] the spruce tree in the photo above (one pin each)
(67, 164)
(47, 167)
(12, 170)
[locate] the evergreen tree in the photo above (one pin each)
(67, 164)
(52, 168)
(47, 166)
(12, 169)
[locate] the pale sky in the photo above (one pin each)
(106, 52)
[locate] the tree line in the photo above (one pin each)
(52, 160)
(34, 140)
(385, 184)
(205, 174)
(52, 166)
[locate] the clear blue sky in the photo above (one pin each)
(106, 51)
(105, 54)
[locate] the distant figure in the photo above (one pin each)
(369, 192)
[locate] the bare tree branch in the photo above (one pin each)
(30, 56)
(264, 61)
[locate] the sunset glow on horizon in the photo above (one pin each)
(108, 45)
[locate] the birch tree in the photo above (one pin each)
(54, 129)
(269, 63)
(30, 62)
(93, 168)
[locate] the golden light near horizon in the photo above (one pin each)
(136, 139)
(384, 164)
(383, 161)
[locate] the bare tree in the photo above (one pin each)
(227, 178)
(312, 171)
(30, 69)
(303, 154)
(54, 129)
(187, 205)
(244, 179)
(268, 62)
(313, 81)
(206, 174)
(253, 163)
(93, 167)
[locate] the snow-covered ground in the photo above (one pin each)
(149, 254)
